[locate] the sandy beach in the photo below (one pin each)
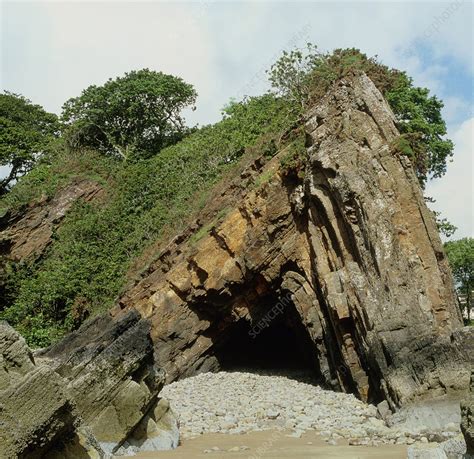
(274, 444)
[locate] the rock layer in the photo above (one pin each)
(86, 396)
(37, 414)
(348, 257)
(467, 420)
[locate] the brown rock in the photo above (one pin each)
(352, 247)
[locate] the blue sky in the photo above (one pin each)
(51, 51)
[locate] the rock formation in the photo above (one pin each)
(89, 395)
(26, 233)
(337, 266)
(348, 257)
(467, 422)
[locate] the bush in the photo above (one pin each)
(84, 269)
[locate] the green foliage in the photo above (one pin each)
(401, 145)
(305, 76)
(263, 178)
(419, 119)
(445, 227)
(27, 133)
(48, 177)
(461, 258)
(133, 116)
(291, 74)
(294, 161)
(85, 267)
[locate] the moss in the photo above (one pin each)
(263, 178)
(401, 145)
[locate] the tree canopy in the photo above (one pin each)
(461, 258)
(132, 116)
(26, 133)
(304, 76)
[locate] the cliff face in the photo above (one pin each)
(338, 269)
(348, 259)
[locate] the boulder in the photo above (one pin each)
(467, 419)
(85, 396)
(37, 414)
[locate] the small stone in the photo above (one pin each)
(424, 440)
(215, 448)
(234, 449)
(451, 427)
(272, 414)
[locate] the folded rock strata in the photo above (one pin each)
(345, 254)
(351, 248)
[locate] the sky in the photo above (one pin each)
(51, 51)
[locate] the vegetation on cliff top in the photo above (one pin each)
(304, 76)
(129, 136)
(94, 246)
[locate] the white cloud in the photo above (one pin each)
(455, 109)
(51, 51)
(4, 171)
(454, 192)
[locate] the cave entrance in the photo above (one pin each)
(275, 342)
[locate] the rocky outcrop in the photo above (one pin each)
(27, 232)
(348, 258)
(37, 414)
(334, 263)
(87, 396)
(467, 418)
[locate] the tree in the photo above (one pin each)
(291, 75)
(420, 121)
(27, 132)
(461, 258)
(132, 116)
(305, 76)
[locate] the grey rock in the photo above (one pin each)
(383, 409)
(467, 418)
(86, 396)
(37, 416)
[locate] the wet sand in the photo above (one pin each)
(275, 444)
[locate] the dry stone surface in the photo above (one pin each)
(240, 402)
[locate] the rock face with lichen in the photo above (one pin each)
(87, 396)
(349, 255)
(467, 418)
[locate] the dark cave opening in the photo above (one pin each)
(275, 342)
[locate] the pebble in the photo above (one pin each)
(239, 402)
